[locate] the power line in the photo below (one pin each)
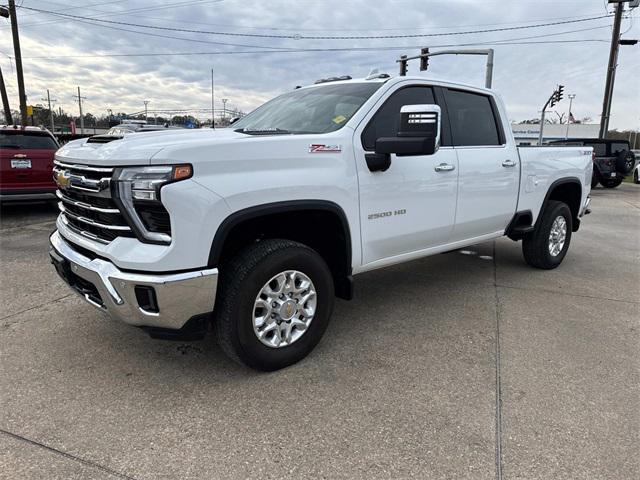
(317, 37)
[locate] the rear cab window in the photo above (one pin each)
(473, 118)
(27, 141)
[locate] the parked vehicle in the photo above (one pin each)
(26, 161)
(613, 159)
(257, 227)
(636, 170)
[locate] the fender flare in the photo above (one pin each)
(257, 211)
(552, 187)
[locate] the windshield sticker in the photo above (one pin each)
(321, 148)
(339, 119)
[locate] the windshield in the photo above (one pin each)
(310, 110)
(27, 141)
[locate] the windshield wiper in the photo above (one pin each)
(263, 131)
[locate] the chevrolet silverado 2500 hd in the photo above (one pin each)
(256, 228)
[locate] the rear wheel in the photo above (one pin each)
(635, 176)
(594, 179)
(547, 245)
(611, 183)
(625, 161)
(274, 304)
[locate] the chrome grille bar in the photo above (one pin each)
(88, 221)
(86, 206)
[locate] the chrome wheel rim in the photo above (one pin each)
(557, 236)
(284, 309)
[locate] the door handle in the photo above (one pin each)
(444, 167)
(508, 163)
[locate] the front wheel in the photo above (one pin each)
(274, 304)
(635, 176)
(547, 245)
(611, 183)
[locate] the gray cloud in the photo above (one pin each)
(524, 74)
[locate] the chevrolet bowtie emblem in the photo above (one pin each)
(62, 178)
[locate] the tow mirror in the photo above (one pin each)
(418, 132)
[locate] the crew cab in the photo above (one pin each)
(612, 159)
(26, 160)
(255, 229)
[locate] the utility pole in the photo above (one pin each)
(224, 108)
(571, 97)
(18, 57)
(81, 116)
(213, 115)
(5, 101)
(48, 99)
(146, 116)
(611, 71)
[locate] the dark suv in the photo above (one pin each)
(612, 161)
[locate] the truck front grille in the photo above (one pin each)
(86, 204)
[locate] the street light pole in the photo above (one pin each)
(571, 97)
(146, 117)
(5, 101)
(48, 99)
(224, 108)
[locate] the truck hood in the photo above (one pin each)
(140, 148)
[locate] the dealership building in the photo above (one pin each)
(527, 134)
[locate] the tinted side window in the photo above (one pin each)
(385, 122)
(472, 119)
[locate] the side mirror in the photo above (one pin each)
(418, 133)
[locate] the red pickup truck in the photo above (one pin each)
(26, 163)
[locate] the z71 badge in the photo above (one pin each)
(321, 148)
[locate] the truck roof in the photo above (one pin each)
(384, 78)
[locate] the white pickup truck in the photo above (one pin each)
(254, 229)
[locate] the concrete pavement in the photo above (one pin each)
(463, 365)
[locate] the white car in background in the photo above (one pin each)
(636, 170)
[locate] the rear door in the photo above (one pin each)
(26, 160)
(489, 167)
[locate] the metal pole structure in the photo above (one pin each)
(48, 99)
(18, 57)
(213, 115)
(489, 52)
(5, 101)
(146, 116)
(571, 97)
(489, 73)
(540, 135)
(224, 108)
(81, 117)
(611, 71)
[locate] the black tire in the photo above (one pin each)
(242, 279)
(611, 183)
(595, 178)
(635, 176)
(535, 246)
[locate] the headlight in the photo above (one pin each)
(137, 192)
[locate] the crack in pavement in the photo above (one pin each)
(498, 387)
(33, 308)
(67, 455)
(569, 294)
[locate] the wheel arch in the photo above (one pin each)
(270, 221)
(569, 191)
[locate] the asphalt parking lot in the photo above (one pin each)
(463, 365)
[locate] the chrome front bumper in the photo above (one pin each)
(177, 297)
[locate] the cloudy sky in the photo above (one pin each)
(118, 65)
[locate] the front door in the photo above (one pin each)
(411, 206)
